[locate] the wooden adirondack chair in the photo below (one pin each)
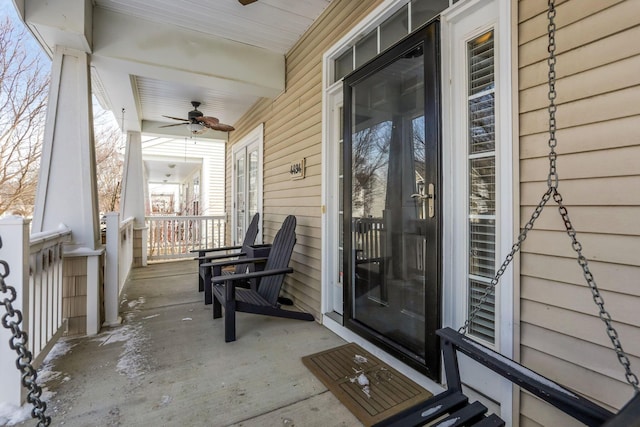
(206, 269)
(262, 297)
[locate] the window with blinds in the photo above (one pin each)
(482, 181)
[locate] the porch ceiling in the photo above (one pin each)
(153, 57)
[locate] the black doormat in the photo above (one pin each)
(368, 387)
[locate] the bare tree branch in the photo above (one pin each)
(24, 84)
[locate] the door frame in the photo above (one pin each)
(428, 37)
(505, 13)
(330, 202)
(256, 136)
(459, 24)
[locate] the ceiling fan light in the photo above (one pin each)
(195, 127)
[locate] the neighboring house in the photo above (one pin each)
(192, 167)
(411, 155)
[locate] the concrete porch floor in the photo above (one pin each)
(168, 364)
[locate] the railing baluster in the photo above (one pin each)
(175, 236)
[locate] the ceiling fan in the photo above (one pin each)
(197, 122)
(246, 2)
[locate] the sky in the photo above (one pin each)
(8, 9)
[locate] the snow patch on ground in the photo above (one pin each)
(114, 335)
(11, 414)
(133, 363)
(135, 303)
(150, 316)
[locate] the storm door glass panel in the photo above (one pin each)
(387, 215)
(240, 188)
(252, 184)
(482, 182)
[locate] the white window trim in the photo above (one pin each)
(486, 15)
(330, 202)
(256, 135)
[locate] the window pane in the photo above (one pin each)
(367, 48)
(482, 247)
(482, 123)
(423, 10)
(483, 325)
(481, 63)
(343, 65)
(394, 28)
(482, 186)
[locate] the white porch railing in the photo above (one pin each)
(36, 267)
(46, 259)
(118, 264)
(175, 236)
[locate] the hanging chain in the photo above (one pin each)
(515, 248)
(18, 342)
(552, 178)
(632, 379)
(552, 191)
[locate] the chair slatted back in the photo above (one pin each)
(279, 257)
(249, 239)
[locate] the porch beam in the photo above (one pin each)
(59, 23)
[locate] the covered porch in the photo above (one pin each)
(168, 364)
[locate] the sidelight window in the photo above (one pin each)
(482, 181)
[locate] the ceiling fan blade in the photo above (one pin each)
(246, 2)
(221, 127)
(176, 118)
(176, 124)
(207, 120)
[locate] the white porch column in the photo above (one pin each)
(132, 197)
(14, 232)
(67, 190)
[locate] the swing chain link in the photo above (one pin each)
(11, 320)
(552, 191)
(604, 315)
(552, 179)
(490, 290)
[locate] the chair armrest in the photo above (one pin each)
(226, 263)
(225, 248)
(221, 256)
(254, 275)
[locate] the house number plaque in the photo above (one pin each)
(296, 170)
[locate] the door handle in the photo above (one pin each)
(430, 197)
(422, 197)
